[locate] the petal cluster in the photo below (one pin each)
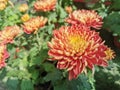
(8, 34)
(77, 47)
(3, 4)
(25, 17)
(88, 18)
(33, 24)
(45, 5)
(23, 7)
(3, 55)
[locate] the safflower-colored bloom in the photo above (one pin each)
(8, 34)
(3, 4)
(68, 9)
(76, 48)
(88, 18)
(23, 7)
(45, 5)
(109, 54)
(25, 17)
(3, 55)
(4, 0)
(33, 24)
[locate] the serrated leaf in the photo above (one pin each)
(53, 76)
(48, 67)
(26, 85)
(12, 84)
(63, 14)
(19, 73)
(33, 51)
(81, 83)
(38, 60)
(50, 28)
(52, 17)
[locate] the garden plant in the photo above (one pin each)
(59, 45)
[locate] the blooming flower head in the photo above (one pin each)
(88, 18)
(25, 17)
(76, 48)
(45, 5)
(9, 33)
(3, 4)
(23, 7)
(68, 9)
(3, 55)
(33, 24)
(109, 54)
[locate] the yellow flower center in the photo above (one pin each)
(77, 43)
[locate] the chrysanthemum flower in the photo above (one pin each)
(68, 9)
(9, 33)
(76, 48)
(33, 24)
(23, 7)
(3, 55)
(25, 17)
(88, 18)
(109, 54)
(3, 4)
(45, 5)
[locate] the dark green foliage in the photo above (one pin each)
(81, 83)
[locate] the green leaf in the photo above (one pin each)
(63, 14)
(115, 5)
(53, 76)
(81, 83)
(19, 73)
(26, 85)
(12, 84)
(52, 17)
(61, 86)
(50, 28)
(33, 52)
(48, 67)
(39, 59)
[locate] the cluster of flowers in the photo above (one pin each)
(78, 46)
(6, 36)
(29, 26)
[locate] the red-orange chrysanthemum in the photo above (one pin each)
(9, 33)
(3, 55)
(88, 18)
(77, 47)
(33, 24)
(45, 5)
